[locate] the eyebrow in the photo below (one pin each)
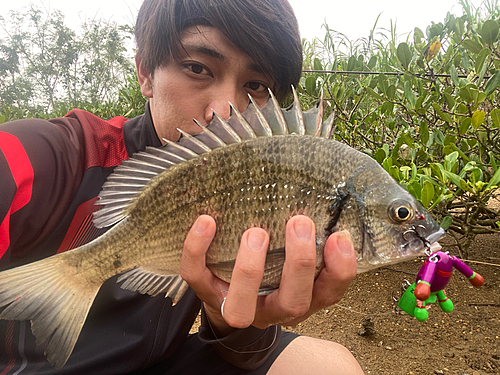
(217, 55)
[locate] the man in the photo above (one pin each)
(193, 58)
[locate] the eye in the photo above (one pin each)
(256, 86)
(196, 68)
(403, 213)
(400, 211)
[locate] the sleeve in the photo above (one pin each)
(41, 167)
(245, 348)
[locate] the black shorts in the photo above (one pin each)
(195, 357)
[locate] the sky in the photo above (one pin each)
(354, 19)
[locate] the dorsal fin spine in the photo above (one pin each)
(279, 114)
(179, 147)
(228, 128)
(210, 133)
(244, 123)
(298, 112)
(195, 140)
(261, 118)
(319, 119)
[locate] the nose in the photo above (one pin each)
(220, 104)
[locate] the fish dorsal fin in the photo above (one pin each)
(130, 178)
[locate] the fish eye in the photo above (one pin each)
(403, 213)
(400, 211)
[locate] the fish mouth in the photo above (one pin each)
(420, 244)
(410, 249)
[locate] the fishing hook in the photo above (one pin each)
(414, 230)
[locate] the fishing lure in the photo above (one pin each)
(432, 278)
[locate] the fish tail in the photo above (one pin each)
(54, 297)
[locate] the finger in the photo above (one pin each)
(297, 280)
(339, 271)
(241, 301)
(193, 268)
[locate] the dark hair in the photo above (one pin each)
(266, 30)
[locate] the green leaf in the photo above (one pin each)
(387, 108)
(417, 35)
(446, 222)
(472, 46)
(480, 77)
(310, 85)
(413, 171)
(373, 93)
(495, 117)
(465, 125)
(385, 147)
(405, 171)
(464, 94)
(372, 62)
(382, 83)
(444, 116)
(317, 64)
(489, 32)
(477, 119)
(387, 164)
(450, 100)
(435, 30)
(492, 160)
(415, 189)
(404, 55)
(409, 94)
(457, 181)
(424, 132)
(391, 92)
(449, 139)
(351, 63)
(495, 180)
(380, 155)
(450, 160)
(492, 83)
(481, 57)
(480, 98)
(427, 193)
(394, 172)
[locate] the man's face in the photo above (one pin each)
(209, 73)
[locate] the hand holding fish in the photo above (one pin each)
(298, 296)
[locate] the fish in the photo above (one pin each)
(255, 169)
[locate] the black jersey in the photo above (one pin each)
(51, 174)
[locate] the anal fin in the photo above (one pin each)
(148, 282)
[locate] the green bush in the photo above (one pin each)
(426, 109)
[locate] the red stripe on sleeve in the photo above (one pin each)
(20, 167)
(22, 173)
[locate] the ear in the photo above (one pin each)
(144, 77)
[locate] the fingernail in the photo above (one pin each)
(256, 239)
(200, 225)
(344, 243)
(303, 229)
